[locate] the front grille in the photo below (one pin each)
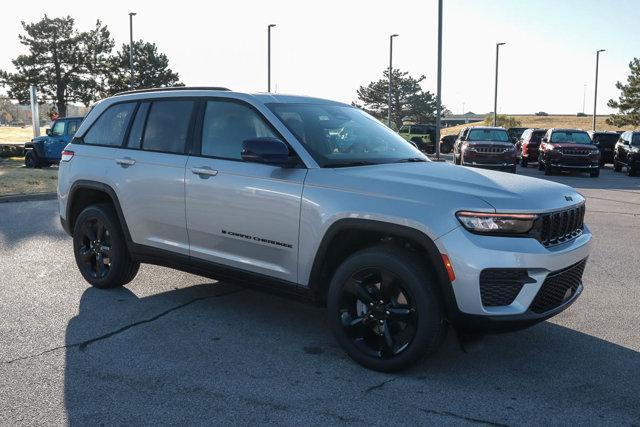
(500, 286)
(575, 151)
(558, 287)
(558, 227)
(490, 150)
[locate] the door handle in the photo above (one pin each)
(204, 172)
(126, 161)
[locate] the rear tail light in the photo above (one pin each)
(67, 155)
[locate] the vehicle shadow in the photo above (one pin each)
(224, 354)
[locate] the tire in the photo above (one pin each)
(617, 167)
(594, 173)
(364, 327)
(631, 171)
(540, 165)
(512, 169)
(523, 162)
(31, 160)
(100, 248)
(547, 169)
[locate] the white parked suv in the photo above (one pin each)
(318, 199)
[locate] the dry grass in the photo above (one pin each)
(15, 178)
(15, 134)
(572, 122)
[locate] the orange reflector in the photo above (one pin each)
(448, 267)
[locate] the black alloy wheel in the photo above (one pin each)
(377, 313)
(384, 308)
(100, 248)
(95, 250)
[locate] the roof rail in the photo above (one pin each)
(174, 88)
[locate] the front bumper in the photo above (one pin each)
(470, 254)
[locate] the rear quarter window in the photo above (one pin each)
(110, 127)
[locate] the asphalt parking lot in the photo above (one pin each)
(176, 348)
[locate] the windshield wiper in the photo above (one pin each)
(348, 164)
(410, 160)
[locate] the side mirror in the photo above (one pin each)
(48, 132)
(270, 151)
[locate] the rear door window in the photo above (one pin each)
(110, 127)
(167, 126)
(72, 127)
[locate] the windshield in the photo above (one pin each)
(488, 135)
(635, 140)
(572, 137)
(337, 135)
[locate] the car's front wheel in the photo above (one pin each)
(617, 167)
(383, 308)
(548, 170)
(523, 162)
(100, 248)
(31, 160)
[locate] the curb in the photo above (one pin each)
(27, 197)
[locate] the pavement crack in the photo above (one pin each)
(82, 346)
(378, 386)
(463, 417)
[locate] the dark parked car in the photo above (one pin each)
(488, 147)
(47, 149)
(529, 144)
(515, 133)
(627, 153)
(446, 143)
(605, 141)
(568, 149)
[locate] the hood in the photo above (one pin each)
(461, 187)
(493, 143)
(41, 138)
(572, 145)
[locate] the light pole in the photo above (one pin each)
(269, 56)
(595, 89)
(439, 82)
(495, 94)
(584, 96)
(131, 15)
(390, 72)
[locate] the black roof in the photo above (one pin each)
(175, 88)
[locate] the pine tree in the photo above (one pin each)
(60, 63)
(151, 69)
(628, 104)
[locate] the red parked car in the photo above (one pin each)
(529, 144)
(568, 149)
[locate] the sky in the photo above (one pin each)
(328, 48)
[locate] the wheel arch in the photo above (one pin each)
(349, 235)
(84, 193)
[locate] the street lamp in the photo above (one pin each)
(439, 83)
(131, 15)
(269, 56)
(390, 71)
(495, 94)
(595, 89)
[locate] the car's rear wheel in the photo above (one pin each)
(383, 308)
(548, 170)
(523, 162)
(100, 248)
(594, 173)
(540, 165)
(631, 170)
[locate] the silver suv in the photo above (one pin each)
(319, 199)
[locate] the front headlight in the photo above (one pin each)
(496, 223)
(508, 149)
